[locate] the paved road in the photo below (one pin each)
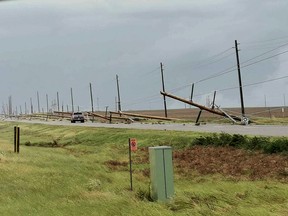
(263, 130)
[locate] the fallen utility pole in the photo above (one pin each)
(59, 112)
(97, 115)
(201, 107)
(120, 118)
(146, 116)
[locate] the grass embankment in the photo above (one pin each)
(83, 171)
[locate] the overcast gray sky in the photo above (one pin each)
(51, 46)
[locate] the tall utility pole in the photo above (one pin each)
(92, 106)
(72, 100)
(240, 81)
(38, 101)
(163, 89)
(58, 105)
(119, 102)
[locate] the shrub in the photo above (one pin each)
(268, 145)
(238, 140)
(276, 146)
(257, 143)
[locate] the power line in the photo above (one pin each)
(247, 65)
(264, 41)
(265, 59)
(202, 63)
(246, 85)
(150, 72)
(265, 53)
(213, 62)
(141, 100)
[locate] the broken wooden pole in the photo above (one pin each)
(199, 106)
(145, 116)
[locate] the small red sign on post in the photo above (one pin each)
(133, 144)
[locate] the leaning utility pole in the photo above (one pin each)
(119, 102)
(163, 89)
(91, 96)
(240, 81)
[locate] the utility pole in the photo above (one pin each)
(240, 81)
(72, 100)
(119, 102)
(192, 92)
(213, 102)
(31, 105)
(38, 102)
(58, 105)
(10, 105)
(91, 96)
(163, 89)
(284, 105)
(47, 103)
(106, 111)
(25, 108)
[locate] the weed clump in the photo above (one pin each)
(94, 185)
(144, 195)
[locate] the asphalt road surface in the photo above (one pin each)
(263, 130)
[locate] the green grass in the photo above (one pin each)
(72, 178)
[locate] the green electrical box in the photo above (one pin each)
(161, 173)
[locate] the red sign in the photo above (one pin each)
(133, 144)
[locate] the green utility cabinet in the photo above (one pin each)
(161, 173)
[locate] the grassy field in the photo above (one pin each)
(73, 171)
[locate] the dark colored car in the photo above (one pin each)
(77, 116)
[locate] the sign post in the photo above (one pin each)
(132, 147)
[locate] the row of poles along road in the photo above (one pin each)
(118, 103)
